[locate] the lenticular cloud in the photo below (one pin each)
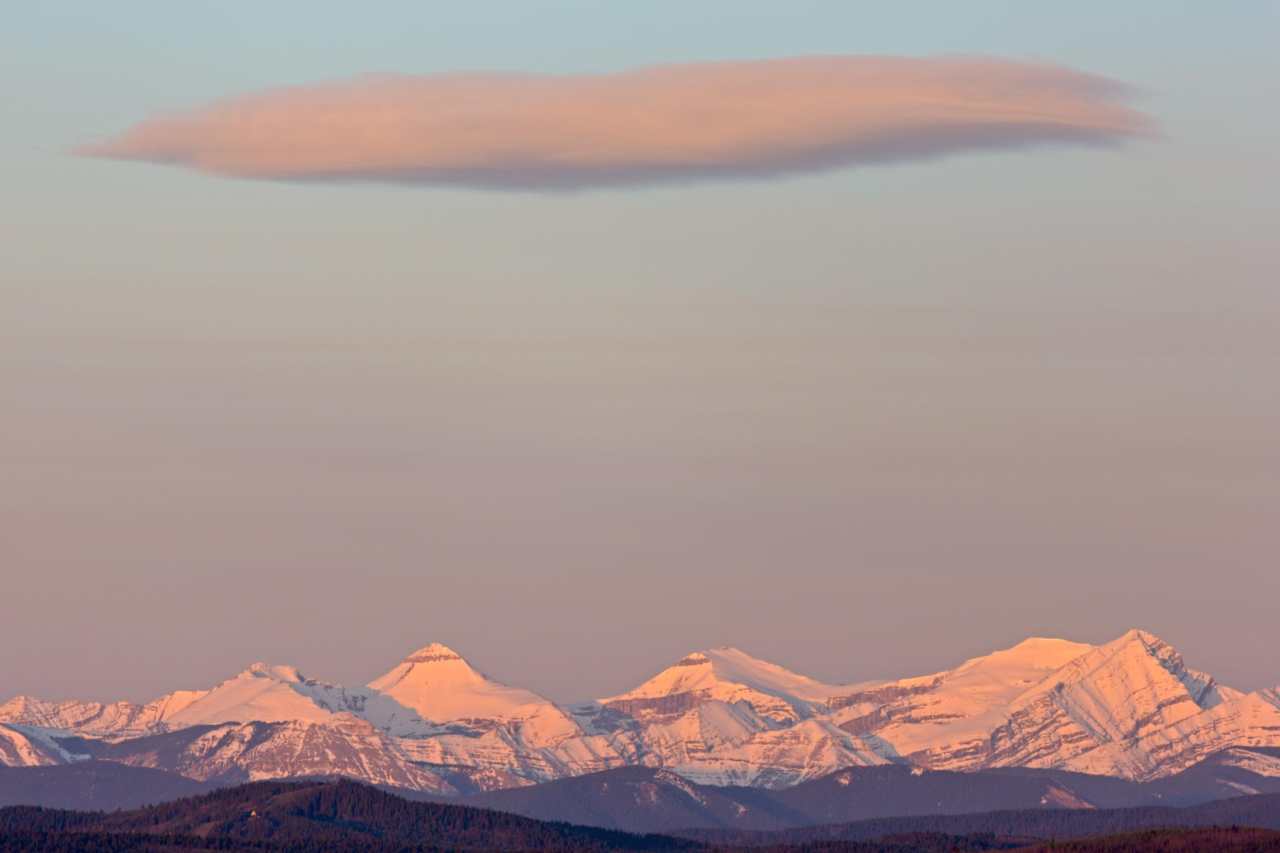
(664, 123)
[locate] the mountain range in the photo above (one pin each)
(1129, 709)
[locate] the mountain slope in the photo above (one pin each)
(27, 746)
(946, 719)
(1109, 710)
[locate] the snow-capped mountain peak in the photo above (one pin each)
(946, 719)
(275, 672)
(734, 665)
(440, 686)
(1137, 670)
(262, 692)
(1123, 708)
(432, 667)
(433, 653)
(1032, 655)
(724, 674)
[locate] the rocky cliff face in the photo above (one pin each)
(241, 752)
(1130, 708)
(99, 719)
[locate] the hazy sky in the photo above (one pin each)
(863, 422)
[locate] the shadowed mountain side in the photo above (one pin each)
(639, 799)
(1223, 775)
(93, 785)
(643, 799)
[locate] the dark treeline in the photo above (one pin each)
(1218, 839)
(1228, 840)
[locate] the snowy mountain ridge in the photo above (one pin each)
(1130, 708)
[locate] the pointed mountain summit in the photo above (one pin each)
(438, 684)
(1135, 681)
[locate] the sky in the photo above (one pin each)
(865, 416)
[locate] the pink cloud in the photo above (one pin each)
(673, 122)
